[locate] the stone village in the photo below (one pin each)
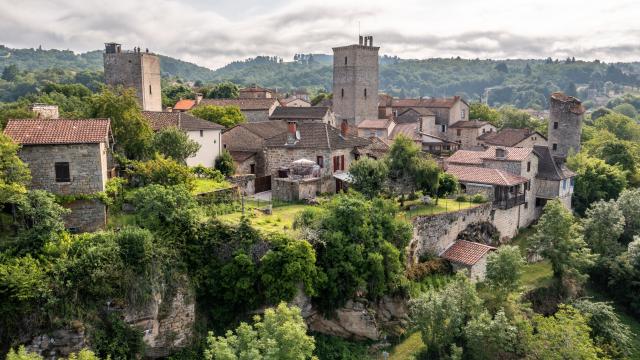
(288, 150)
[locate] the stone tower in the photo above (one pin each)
(355, 81)
(134, 69)
(565, 125)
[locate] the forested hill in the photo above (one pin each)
(523, 83)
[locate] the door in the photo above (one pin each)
(263, 183)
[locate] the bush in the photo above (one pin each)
(462, 198)
(335, 348)
(225, 164)
(161, 171)
(478, 199)
(207, 173)
(115, 339)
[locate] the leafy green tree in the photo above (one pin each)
(224, 163)
(623, 280)
(174, 143)
(504, 269)
(280, 335)
(162, 171)
(369, 176)
(599, 112)
(224, 90)
(602, 226)
(401, 160)
(447, 184)
(623, 127)
(10, 72)
(480, 111)
(626, 110)
(359, 248)
(629, 204)
(22, 354)
(173, 93)
(115, 339)
(131, 131)
(607, 330)
(499, 337)
(441, 315)
(511, 117)
(14, 174)
(557, 237)
(427, 175)
(595, 180)
(14, 111)
(227, 116)
(564, 335)
(24, 287)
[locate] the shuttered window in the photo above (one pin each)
(62, 172)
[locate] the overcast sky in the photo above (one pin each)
(214, 32)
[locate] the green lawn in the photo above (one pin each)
(208, 185)
(444, 205)
(281, 218)
(408, 348)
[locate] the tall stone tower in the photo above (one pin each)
(134, 69)
(565, 125)
(355, 81)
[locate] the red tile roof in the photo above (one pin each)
(508, 136)
(471, 124)
(477, 157)
(58, 131)
(185, 104)
(466, 252)
(243, 104)
(426, 102)
(481, 175)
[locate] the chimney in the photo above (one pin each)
(370, 40)
(292, 133)
(360, 40)
(501, 153)
(344, 128)
(169, 109)
(199, 97)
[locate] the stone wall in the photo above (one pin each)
(86, 215)
(256, 115)
(137, 70)
(246, 183)
(568, 115)
(435, 233)
(291, 190)
(58, 343)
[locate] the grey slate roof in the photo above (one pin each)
(295, 113)
(318, 136)
(548, 168)
(508, 136)
(185, 121)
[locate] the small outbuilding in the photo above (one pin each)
(469, 255)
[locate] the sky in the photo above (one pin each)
(213, 33)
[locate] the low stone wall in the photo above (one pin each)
(435, 233)
(86, 215)
(246, 183)
(292, 190)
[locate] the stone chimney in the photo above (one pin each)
(45, 111)
(199, 97)
(344, 128)
(501, 153)
(292, 132)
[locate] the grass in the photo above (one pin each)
(281, 218)
(208, 185)
(408, 348)
(444, 205)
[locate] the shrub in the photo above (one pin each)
(462, 198)
(224, 163)
(161, 171)
(478, 199)
(115, 339)
(207, 173)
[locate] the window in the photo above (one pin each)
(365, 93)
(528, 166)
(149, 89)
(342, 93)
(320, 161)
(345, 60)
(554, 147)
(443, 128)
(484, 131)
(201, 133)
(62, 172)
(526, 205)
(463, 113)
(564, 184)
(252, 168)
(458, 132)
(555, 125)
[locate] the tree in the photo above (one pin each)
(224, 163)
(441, 315)
(14, 112)
(131, 131)
(496, 338)
(571, 89)
(623, 127)
(280, 335)
(510, 117)
(227, 116)
(320, 97)
(175, 144)
(427, 175)
(607, 331)
(504, 269)
(14, 174)
(602, 227)
(369, 176)
(564, 335)
(400, 161)
(224, 90)
(629, 204)
(502, 67)
(173, 93)
(447, 184)
(162, 171)
(10, 72)
(480, 111)
(595, 180)
(626, 110)
(557, 238)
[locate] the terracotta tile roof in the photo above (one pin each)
(420, 110)
(162, 119)
(58, 131)
(410, 130)
(378, 145)
(426, 102)
(384, 100)
(186, 104)
(243, 104)
(318, 136)
(481, 175)
(299, 113)
(508, 136)
(477, 157)
(373, 124)
(575, 105)
(466, 252)
(471, 124)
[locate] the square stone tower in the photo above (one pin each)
(134, 69)
(355, 81)
(566, 114)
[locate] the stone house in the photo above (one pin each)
(566, 115)
(254, 109)
(466, 133)
(468, 255)
(207, 134)
(67, 157)
(330, 148)
(184, 105)
(447, 111)
(256, 92)
(512, 138)
(300, 114)
(246, 141)
(294, 102)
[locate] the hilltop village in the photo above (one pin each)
(350, 211)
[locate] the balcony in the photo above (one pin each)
(508, 203)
